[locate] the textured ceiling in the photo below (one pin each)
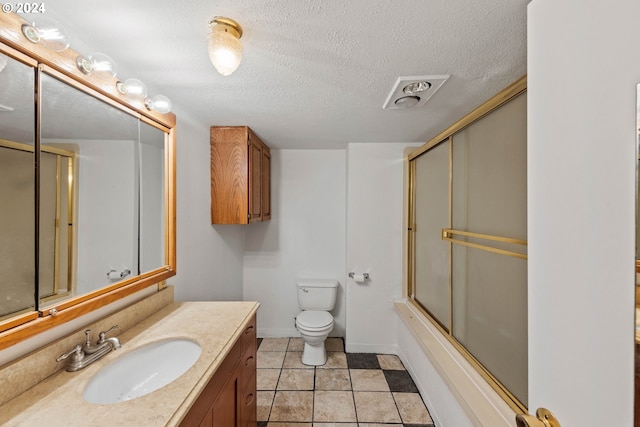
(315, 73)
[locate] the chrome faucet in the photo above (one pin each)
(82, 356)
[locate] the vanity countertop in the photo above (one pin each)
(58, 399)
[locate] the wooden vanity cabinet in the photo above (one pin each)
(240, 176)
(229, 399)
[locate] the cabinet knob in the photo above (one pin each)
(249, 399)
(249, 361)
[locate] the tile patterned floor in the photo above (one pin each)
(350, 390)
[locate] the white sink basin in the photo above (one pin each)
(142, 371)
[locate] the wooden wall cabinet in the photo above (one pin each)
(240, 176)
(229, 399)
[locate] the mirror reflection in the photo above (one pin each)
(103, 140)
(152, 200)
(17, 183)
(100, 198)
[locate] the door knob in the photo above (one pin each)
(543, 418)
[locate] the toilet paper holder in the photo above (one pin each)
(365, 275)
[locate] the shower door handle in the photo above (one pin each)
(543, 418)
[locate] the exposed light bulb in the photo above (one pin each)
(416, 87)
(133, 89)
(407, 101)
(47, 33)
(159, 103)
(103, 64)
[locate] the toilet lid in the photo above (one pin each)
(313, 319)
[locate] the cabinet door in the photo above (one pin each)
(226, 407)
(208, 420)
(266, 184)
(255, 178)
(230, 180)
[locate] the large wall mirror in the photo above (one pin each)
(86, 186)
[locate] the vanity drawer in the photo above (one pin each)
(249, 405)
(249, 337)
(248, 369)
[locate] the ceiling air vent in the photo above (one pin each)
(413, 91)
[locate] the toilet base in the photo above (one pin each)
(314, 355)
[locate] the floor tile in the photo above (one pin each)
(296, 379)
(263, 402)
(274, 344)
(390, 362)
(350, 390)
(295, 344)
(270, 359)
(400, 381)
(293, 360)
(375, 407)
(267, 379)
(336, 406)
(274, 424)
(341, 425)
(368, 380)
(412, 409)
(335, 360)
(292, 406)
(334, 344)
(362, 361)
(333, 379)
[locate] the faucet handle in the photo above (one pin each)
(87, 333)
(103, 334)
(76, 352)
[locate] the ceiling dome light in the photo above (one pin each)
(407, 101)
(417, 87)
(225, 49)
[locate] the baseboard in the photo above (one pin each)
(369, 348)
(277, 333)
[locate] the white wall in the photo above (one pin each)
(209, 258)
(304, 239)
(106, 212)
(583, 66)
(376, 224)
(152, 200)
(374, 244)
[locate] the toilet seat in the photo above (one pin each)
(314, 320)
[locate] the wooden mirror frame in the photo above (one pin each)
(63, 66)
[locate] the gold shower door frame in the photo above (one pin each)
(483, 242)
(61, 171)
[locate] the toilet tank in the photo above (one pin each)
(317, 294)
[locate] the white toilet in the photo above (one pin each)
(315, 298)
